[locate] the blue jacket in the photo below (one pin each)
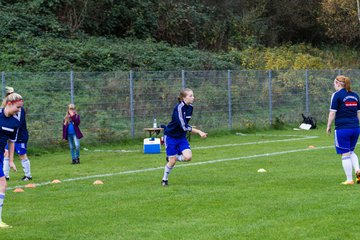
(9, 127)
(179, 124)
(23, 135)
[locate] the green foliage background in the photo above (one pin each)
(103, 35)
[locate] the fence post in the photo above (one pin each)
(270, 98)
(72, 86)
(307, 91)
(3, 85)
(229, 99)
(132, 105)
(183, 83)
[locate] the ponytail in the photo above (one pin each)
(347, 84)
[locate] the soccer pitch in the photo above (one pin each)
(218, 195)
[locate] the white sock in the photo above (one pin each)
(347, 165)
(2, 197)
(180, 158)
(167, 171)
(6, 167)
(355, 161)
(26, 167)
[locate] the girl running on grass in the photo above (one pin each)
(176, 143)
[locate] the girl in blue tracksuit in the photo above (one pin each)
(345, 110)
(9, 126)
(176, 143)
(20, 145)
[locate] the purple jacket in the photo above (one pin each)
(76, 121)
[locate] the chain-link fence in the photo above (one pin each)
(118, 105)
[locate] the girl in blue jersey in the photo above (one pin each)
(72, 133)
(9, 126)
(177, 146)
(20, 145)
(345, 110)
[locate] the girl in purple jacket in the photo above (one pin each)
(72, 133)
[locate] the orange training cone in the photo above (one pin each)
(98, 182)
(56, 181)
(19, 190)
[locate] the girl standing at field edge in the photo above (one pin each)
(9, 126)
(345, 109)
(177, 146)
(72, 133)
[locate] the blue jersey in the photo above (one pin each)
(8, 129)
(179, 124)
(23, 135)
(346, 105)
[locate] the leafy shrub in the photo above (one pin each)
(279, 122)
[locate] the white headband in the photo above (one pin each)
(342, 83)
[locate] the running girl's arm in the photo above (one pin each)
(201, 133)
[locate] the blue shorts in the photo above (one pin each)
(346, 139)
(20, 148)
(175, 145)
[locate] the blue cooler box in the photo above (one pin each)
(152, 145)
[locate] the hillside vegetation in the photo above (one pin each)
(103, 35)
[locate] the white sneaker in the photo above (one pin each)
(4, 225)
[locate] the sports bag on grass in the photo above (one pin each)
(309, 120)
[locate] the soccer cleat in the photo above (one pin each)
(7, 178)
(26, 178)
(348, 183)
(167, 159)
(4, 225)
(164, 183)
(358, 176)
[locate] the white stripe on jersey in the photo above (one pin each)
(332, 96)
(181, 116)
(8, 129)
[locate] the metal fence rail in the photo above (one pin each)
(118, 105)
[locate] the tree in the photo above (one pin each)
(291, 21)
(73, 14)
(339, 18)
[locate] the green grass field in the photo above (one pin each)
(218, 195)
